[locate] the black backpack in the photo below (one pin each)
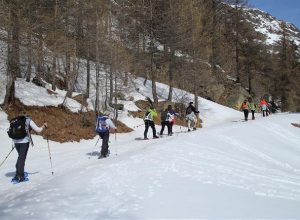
(163, 115)
(17, 128)
(189, 110)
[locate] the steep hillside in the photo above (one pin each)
(271, 27)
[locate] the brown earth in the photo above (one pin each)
(63, 125)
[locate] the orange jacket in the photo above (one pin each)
(244, 105)
(263, 102)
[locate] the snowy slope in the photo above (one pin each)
(269, 26)
(228, 169)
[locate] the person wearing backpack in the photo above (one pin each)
(190, 113)
(264, 107)
(245, 109)
(252, 108)
(148, 119)
(103, 126)
(171, 119)
(164, 122)
(19, 131)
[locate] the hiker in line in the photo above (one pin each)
(171, 119)
(252, 108)
(164, 122)
(264, 107)
(273, 107)
(245, 108)
(22, 144)
(103, 126)
(190, 113)
(148, 119)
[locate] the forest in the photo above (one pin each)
(207, 47)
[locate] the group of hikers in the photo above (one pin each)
(168, 118)
(265, 107)
(21, 126)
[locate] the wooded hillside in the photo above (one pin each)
(207, 47)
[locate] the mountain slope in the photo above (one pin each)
(269, 26)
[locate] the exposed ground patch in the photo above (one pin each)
(63, 125)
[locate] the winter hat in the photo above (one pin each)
(191, 103)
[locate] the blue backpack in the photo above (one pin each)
(102, 125)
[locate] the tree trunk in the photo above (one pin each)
(152, 70)
(97, 61)
(13, 55)
(40, 57)
(171, 76)
(53, 72)
(28, 75)
(111, 85)
(237, 52)
(88, 76)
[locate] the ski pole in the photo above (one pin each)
(138, 125)
(50, 156)
(116, 142)
(7, 156)
(97, 141)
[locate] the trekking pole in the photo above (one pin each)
(97, 141)
(7, 156)
(50, 156)
(116, 142)
(138, 125)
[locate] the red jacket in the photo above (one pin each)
(263, 102)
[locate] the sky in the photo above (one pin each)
(287, 10)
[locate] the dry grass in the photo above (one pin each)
(63, 125)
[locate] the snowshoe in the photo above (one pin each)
(18, 179)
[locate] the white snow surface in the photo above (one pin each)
(228, 169)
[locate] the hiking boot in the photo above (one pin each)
(194, 129)
(155, 137)
(145, 138)
(189, 130)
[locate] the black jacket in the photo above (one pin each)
(191, 107)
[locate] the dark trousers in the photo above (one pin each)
(246, 113)
(22, 149)
(252, 112)
(147, 125)
(265, 113)
(170, 128)
(163, 124)
(105, 138)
